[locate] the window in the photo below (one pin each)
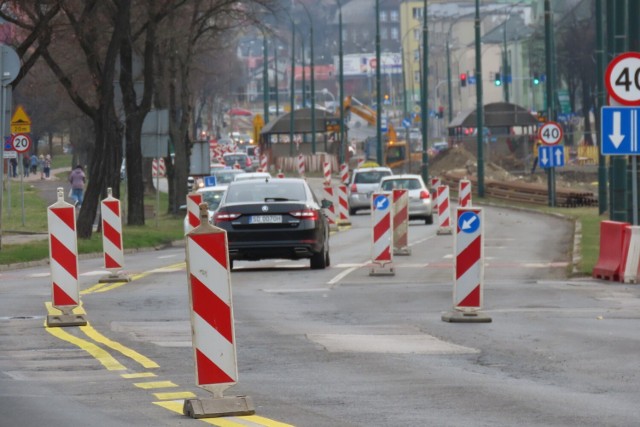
(384, 33)
(417, 13)
(383, 16)
(416, 55)
(393, 16)
(417, 33)
(395, 33)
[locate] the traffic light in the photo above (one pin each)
(536, 79)
(496, 80)
(463, 80)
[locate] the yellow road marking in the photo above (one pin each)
(105, 287)
(138, 375)
(51, 310)
(132, 354)
(243, 421)
(175, 396)
(155, 384)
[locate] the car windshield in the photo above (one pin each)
(226, 176)
(230, 159)
(266, 191)
(212, 198)
(401, 184)
(370, 177)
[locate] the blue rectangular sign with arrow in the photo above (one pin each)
(619, 130)
(550, 156)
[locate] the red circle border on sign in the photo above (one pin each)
(26, 136)
(607, 77)
(556, 124)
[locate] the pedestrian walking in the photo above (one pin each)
(34, 164)
(14, 167)
(41, 161)
(47, 166)
(25, 165)
(77, 179)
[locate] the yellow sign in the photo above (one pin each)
(20, 122)
(258, 124)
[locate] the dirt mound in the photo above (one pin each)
(459, 159)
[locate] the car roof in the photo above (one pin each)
(402, 176)
(212, 188)
(377, 168)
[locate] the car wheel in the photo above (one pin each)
(319, 260)
(230, 264)
(428, 220)
(352, 211)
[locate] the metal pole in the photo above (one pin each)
(601, 99)
(313, 82)
(275, 71)
(21, 165)
(551, 176)
(379, 158)
(341, 71)
(505, 62)
(449, 90)
(479, 104)
(2, 114)
(292, 96)
(265, 80)
(424, 91)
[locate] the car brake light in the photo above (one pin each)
(248, 161)
(225, 216)
(354, 188)
(424, 194)
(305, 214)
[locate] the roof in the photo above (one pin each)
(497, 114)
(301, 124)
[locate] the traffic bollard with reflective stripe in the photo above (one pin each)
(444, 214)
(63, 262)
(381, 222)
(468, 268)
(193, 210)
(326, 168)
(329, 193)
(344, 173)
(301, 165)
(113, 250)
(401, 222)
(343, 205)
(464, 193)
(212, 328)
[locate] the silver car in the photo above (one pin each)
(364, 182)
(420, 203)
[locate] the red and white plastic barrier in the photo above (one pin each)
(113, 249)
(63, 261)
(193, 210)
(236, 165)
(280, 174)
(329, 193)
(435, 183)
(264, 162)
(326, 168)
(464, 193)
(344, 173)
(382, 231)
(401, 222)
(301, 165)
(444, 215)
(631, 255)
(343, 205)
(158, 167)
(212, 323)
(360, 162)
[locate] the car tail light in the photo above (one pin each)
(225, 216)
(248, 161)
(305, 214)
(424, 194)
(354, 188)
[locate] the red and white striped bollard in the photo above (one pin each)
(401, 222)
(264, 162)
(63, 262)
(344, 173)
(326, 168)
(301, 165)
(464, 193)
(212, 324)
(330, 194)
(382, 231)
(468, 268)
(193, 210)
(112, 247)
(343, 205)
(444, 214)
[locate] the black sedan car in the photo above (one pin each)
(274, 218)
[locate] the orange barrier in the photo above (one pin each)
(612, 242)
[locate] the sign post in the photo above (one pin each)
(550, 135)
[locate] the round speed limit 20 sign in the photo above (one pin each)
(21, 142)
(550, 133)
(623, 78)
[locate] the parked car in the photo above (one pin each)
(252, 152)
(242, 159)
(210, 195)
(277, 218)
(226, 176)
(420, 203)
(363, 183)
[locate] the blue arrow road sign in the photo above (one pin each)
(550, 156)
(468, 222)
(619, 130)
(381, 202)
(406, 123)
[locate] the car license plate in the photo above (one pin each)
(266, 219)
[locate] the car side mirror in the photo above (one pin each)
(326, 204)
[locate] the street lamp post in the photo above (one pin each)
(379, 159)
(341, 91)
(265, 79)
(424, 93)
(479, 110)
(292, 96)
(313, 82)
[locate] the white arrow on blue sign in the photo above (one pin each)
(406, 123)
(550, 156)
(619, 130)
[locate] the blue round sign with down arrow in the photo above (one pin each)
(469, 222)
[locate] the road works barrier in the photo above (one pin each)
(468, 268)
(435, 183)
(444, 215)
(112, 248)
(264, 163)
(630, 254)
(343, 205)
(344, 173)
(280, 174)
(381, 222)
(329, 193)
(212, 328)
(464, 193)
(301, 165)
(326, 168)
(63, 261)
(401, 222)
(609, 262)
(158, 167)
(193, 210)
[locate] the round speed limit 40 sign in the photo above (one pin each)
(550, 133)
(623, 78)
(21, 142)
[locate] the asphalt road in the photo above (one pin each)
(338, 346)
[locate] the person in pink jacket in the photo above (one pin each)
(77, 179)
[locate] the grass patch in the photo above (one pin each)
(35, 209)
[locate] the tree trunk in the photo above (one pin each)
(135, 210)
